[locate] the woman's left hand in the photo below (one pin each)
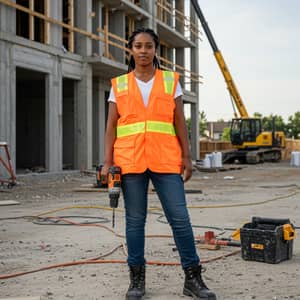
(187, 168)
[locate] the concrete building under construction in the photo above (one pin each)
(56, 61)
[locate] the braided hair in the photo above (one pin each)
(131, 64)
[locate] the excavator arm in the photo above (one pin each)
(221, 62)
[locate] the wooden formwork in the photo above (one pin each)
(211, 146)
(291, 145)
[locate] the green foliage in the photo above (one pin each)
(293, 126)
(226, 134)
(267, 123)
(202, 124)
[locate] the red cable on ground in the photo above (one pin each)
(112, 261)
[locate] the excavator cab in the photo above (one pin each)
(245, 130)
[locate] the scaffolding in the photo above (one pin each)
(164, 13)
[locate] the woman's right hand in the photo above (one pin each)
(105, 167)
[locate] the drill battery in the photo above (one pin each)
(101, 181)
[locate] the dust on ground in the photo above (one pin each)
(27, 243)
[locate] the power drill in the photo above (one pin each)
(100, 179)
(114, 188)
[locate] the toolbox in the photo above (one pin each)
(267, 240)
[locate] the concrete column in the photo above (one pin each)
(8, 99)
(83, 120)
(195, 131)
(54, 118)
(83, 20)
(117, 26)
(96, 120)
(195, 89)
(150, 6)
(99, 114)
(97, 46)
(180, 61)
(56, 30)
(7, 18)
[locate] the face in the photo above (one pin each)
(143, 49)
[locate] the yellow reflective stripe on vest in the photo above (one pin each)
(122, 83)
(160, 127)
(130, 129)
(169, 81)
(151, 126)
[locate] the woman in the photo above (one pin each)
(147, 137)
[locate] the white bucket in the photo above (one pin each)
(207, 161)
(217, 157)
(295, 158)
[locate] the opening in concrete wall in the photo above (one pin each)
(29, 26)
(68, 123)
(30, 120)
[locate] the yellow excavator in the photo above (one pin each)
(251, 144)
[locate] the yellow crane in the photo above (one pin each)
(251, 144)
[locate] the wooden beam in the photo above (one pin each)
(31, 21)
(106, 49)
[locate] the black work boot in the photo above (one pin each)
(136, 289)
(194, 285)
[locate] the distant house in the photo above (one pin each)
(214, 130)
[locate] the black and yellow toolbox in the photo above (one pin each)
(267, 240)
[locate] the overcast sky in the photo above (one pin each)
(260, 42)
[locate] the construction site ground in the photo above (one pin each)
(219, 200)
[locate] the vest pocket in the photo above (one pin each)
(164, 107)
(124, 151)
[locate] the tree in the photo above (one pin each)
(293, 126)
(202, 124)
(226, 134)
(267, 123)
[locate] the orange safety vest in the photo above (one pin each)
(146, 137)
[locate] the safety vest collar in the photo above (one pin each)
(168, 81)
(148, 126)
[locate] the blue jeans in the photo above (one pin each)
(170, 190)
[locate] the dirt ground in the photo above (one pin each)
(28, 243)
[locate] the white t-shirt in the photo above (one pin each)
(145, 89)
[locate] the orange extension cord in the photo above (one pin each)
(105, 261)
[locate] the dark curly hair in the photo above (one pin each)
(131, 64)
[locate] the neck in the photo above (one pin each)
(144, 73)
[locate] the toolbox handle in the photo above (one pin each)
(260, 220)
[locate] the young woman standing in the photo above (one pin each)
(147, 137)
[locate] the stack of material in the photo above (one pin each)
(295, 159)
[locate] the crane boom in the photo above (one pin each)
(221, 62)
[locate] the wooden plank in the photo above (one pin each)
(8, 202)
(22, 298)
(31, 21)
